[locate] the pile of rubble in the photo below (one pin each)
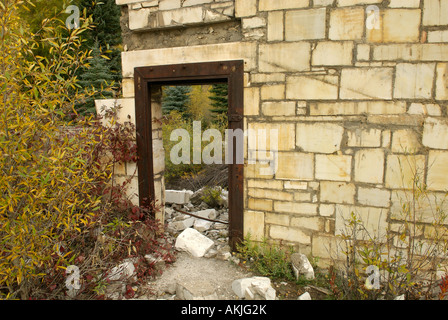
(198, 229)
(200, 232)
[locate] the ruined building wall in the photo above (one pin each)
(359, 106)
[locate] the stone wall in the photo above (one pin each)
(360, 105)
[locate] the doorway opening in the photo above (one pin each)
(154, 87)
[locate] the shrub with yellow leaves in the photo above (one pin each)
(54, 178)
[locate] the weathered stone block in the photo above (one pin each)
(188, 3)
(296, 185)
(283, 108)
(373, 219)
(404, 4)
(434, 12)
(284, 57)
(414, 81)
(337, 192)
(260, 204)
(245, 8)
(397, 25)
(312, 223)
(405, 141)
(259, 171)
(253, 22)
(401, 170)
(305, 24)
(319, 137)
(442, 81)
(437, 178)
(438, 36)
(139, 19)
(369, 166)
(355, 108)
(295, 207)
(254, 224)
(295, 166)
(341, 53)
(318, 3)
(123, 2)
(278, 219)
(169, 4)
(289, 234)
(312, 87)
(269, 5)
(270, 194)
(275, 26)
(273, 92)
(364, 138)
(430, 109)
(343, 3)
(366, 83)
(347, 24)
(363, 52)
(374, 197)
(158, 156)
(435, 133)
(268, 77)
(265, 184)
(411, 52)
(326, 210)
(399, 120)
(285, 134)
(333, 167)
(251, 101)
(128, 88)
(302, 196)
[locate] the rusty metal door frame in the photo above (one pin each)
(230, 72)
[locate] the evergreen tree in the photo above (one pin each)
(176, 98)
(98, 76)
(106, 31)
(219, 97)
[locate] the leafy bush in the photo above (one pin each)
(269, 260)
(406, 260)
(56, 190)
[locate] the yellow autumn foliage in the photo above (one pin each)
(50, 176)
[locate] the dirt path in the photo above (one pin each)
(202, 277)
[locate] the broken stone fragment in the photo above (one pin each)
(123, 271)
(305, 296)
(181, 225)
(302, 266)
(178, 197)
(193, 242)
(202, 225)
(254, 288)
